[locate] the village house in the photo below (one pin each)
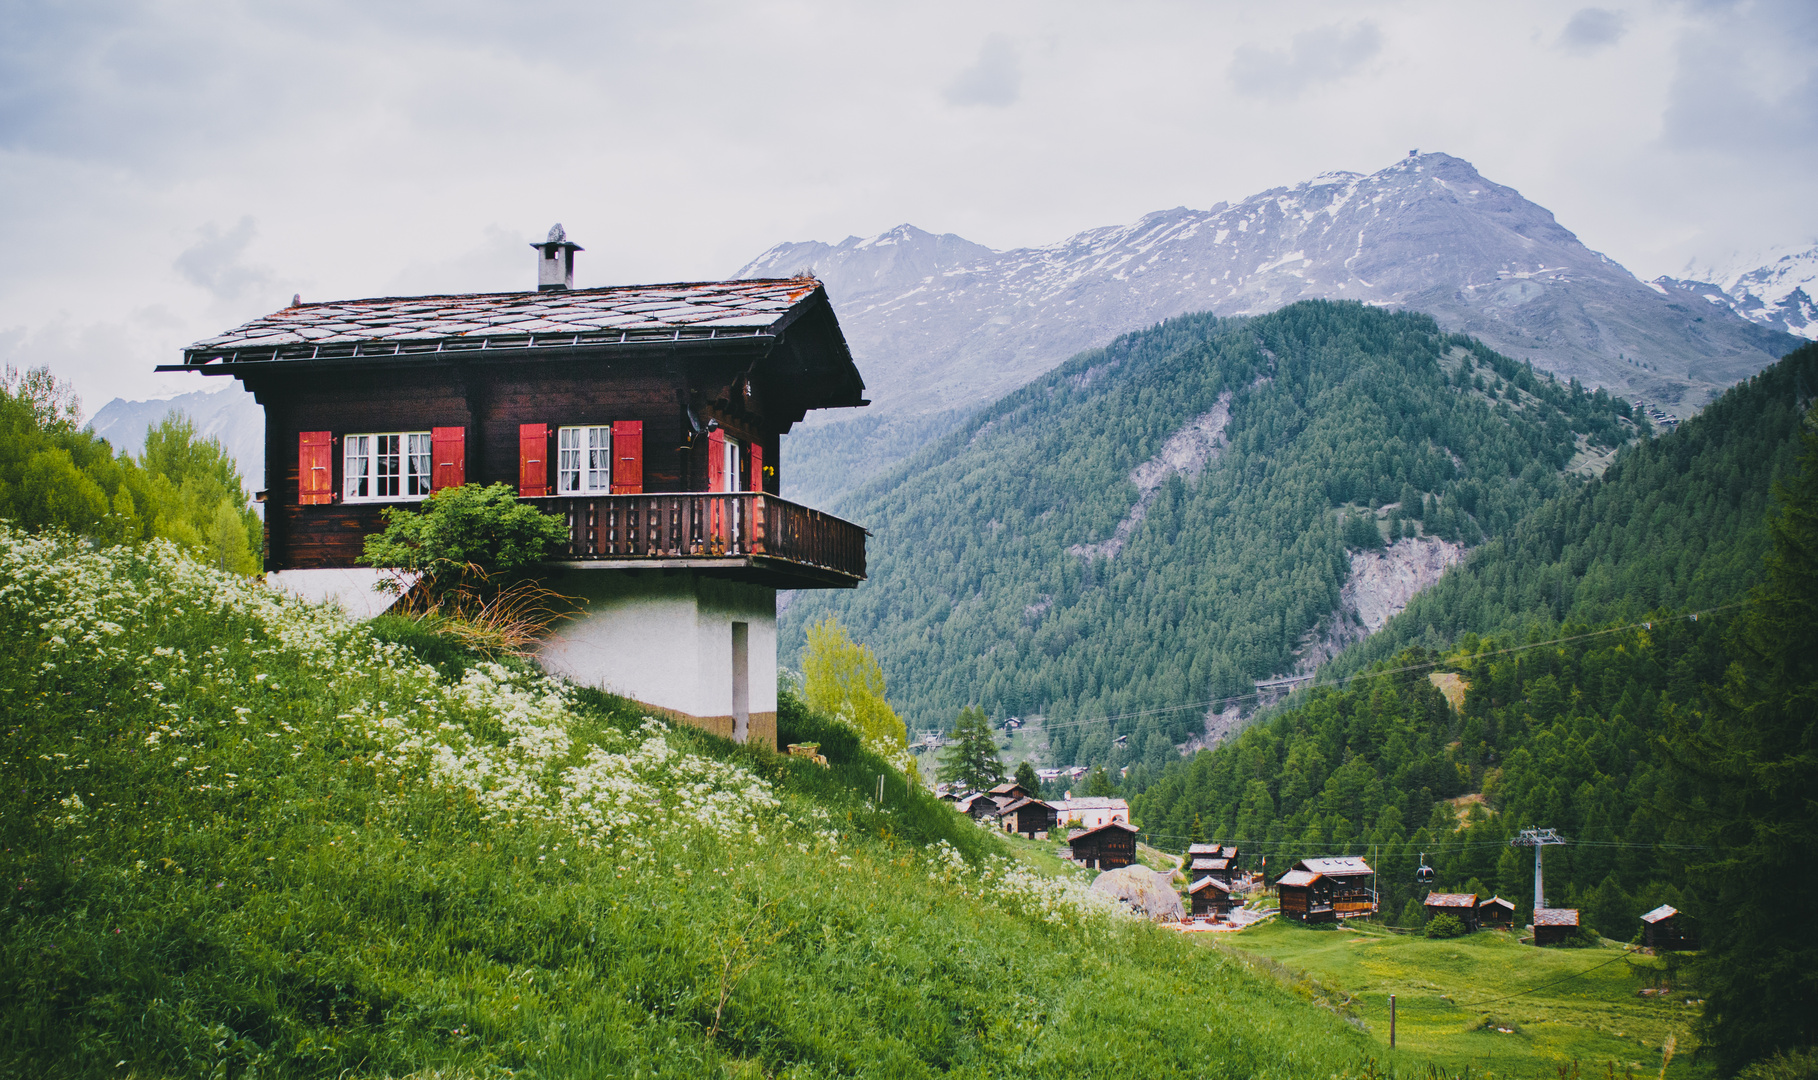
(1555, 926)
(1210, 896)
(1091, 811)
(1495, 914)
(1321, 890)
(1029, 817)
(1106, 847)
(1462, 906)
(647, 418)
(1666, 929)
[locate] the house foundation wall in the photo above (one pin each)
(666, 639)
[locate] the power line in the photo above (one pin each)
(1646, 624)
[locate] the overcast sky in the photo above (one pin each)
(170, 169)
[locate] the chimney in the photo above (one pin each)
(555, 261)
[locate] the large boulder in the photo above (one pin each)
(1150, 892)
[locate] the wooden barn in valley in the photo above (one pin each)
(1555, 926)
(1107, 847)
(647, 418)
(1321, 890)
(1210, 896)
(1495, 914)
(1026, 816)
(1462, 906)
(1666, 929)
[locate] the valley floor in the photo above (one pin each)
(1461, 1002)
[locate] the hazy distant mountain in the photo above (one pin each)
(1775, 292)
(939, 323)
(230, 415)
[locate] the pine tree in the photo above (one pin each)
(1099, 785)
(1025, 775)
(971, 761)
(1754, 764)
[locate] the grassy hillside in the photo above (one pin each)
(241, 837)
(993, 574)
(1677, 522)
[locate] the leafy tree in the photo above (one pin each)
(1025, 775)
(971, 760)
(1445, 925)
(843, 678)
(199, 499)
(1752, 761)
(482, 527)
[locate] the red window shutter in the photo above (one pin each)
(716, 460)
(757, 467)
(315, 468)
(628, 457)
(448, 457)
(533, 459)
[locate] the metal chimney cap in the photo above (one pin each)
(558, 238)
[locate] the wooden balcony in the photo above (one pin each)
(745, 535)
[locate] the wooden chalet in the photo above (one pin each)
(1210, 896)
(1463, 906)
(1495, 914)
(1010, 789)
(1107, 847)
(1555, 926)
(1026, 816)
(978, 805)
(647, 418)
(1666, 929)
(1321, 890)
(1219, 867)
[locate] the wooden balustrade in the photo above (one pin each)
(752, 528)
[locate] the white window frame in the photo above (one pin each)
(584, 460)
(365, 455)
(734, 450)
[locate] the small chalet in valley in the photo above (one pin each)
(1321, 890)
(1210, 896)
(1107, 847)
(1027, 816)
(1216, 860)
(648, 418)
(1665, 929)
(1463, 906)
(1555, 926)
(1495, 914)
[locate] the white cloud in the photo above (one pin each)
(1592, 29)
(995, 78)
(1324, 55)
(214, 261)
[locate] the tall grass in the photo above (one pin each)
(243, 838)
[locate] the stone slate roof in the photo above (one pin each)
(1664, 911)
(1556, 916)
(1077, 833)
(1451, 900)
(1497, 901)
(1208, 883)
(1336, 867)
(1298, 878)
(411, 324)
(1210, 864)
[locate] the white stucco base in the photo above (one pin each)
(666, 639)
(350, 587)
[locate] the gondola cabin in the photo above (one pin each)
(1210, 896)
(646, 418)
(1462, 906)
(1555, 926)
(1666, 929)
(1495, 914)
(1107, 847)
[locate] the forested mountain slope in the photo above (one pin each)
(1676, 522)
(1162, 521)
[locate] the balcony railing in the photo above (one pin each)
(751, 529)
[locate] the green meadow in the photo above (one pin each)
(1486, 1001)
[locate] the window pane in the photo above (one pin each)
(354, 473)
(568, 460)
(418, 464)
(599, 459)
(388, 468)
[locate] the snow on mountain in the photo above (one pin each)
(939, 323)
(1775, 290)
